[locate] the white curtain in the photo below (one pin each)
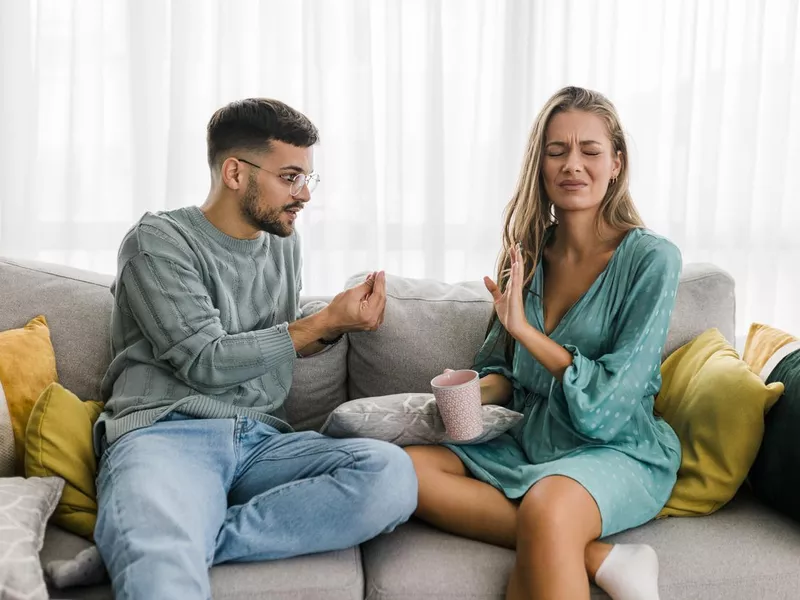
(424, 108)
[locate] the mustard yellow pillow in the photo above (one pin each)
(59, 442)
(716, 405)
(27, 366)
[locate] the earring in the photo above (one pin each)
(613, 180)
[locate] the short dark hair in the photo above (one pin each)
(252, 123)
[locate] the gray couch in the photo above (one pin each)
(744, 551)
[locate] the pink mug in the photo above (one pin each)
(458, 398)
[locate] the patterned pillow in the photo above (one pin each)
(25, 507)
(408, 419)
(6, 438)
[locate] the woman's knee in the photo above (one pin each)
(559, 508)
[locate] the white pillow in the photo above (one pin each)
(408, 419)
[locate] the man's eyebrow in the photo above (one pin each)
(294, 168)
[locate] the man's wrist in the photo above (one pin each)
(310, 329)
(330, 341)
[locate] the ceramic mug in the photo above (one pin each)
(458, 398)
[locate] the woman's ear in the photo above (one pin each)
(617, 165)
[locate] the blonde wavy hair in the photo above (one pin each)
(530, 212)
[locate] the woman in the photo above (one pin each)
(582, 309)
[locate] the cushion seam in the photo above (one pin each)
(59, 276)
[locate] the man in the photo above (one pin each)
(197, 466)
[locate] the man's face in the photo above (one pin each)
(267, 203)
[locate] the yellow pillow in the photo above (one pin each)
(59, 442)
(766, 347)
(716, 405)
(27, 366)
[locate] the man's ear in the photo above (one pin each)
(231, 173)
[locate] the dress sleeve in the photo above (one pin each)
(603, 394)
(491, 358)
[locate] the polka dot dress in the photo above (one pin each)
(597, 425)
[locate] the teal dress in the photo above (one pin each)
(597, 425)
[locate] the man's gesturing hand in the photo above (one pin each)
(361, 307)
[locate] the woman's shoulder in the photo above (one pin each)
(647, 248)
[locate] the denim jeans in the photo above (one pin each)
(183, 494)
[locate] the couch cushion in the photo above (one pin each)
(706, 299)
(319, 381)
(430, 326)
(743, 552)
(77, 305)
(330, 576)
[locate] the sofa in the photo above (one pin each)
(742, 552)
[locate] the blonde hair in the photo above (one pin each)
(530, 212)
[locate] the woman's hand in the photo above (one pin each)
(495, 388)
(509, 305)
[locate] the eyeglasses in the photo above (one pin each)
(296, 181)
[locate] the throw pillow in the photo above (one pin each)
(408, 419)
(319, 381)
(775, 475)
(716, 405)
(59, 442)
(27, 366)
(6, 438)
(25, 506)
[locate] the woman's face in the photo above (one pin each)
(579, 161)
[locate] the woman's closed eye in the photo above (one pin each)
(585, 152)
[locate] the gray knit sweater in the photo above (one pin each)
(200, 324)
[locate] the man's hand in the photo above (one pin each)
(360, 308)
(357, 309)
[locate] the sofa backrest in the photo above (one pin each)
(429, 326)
(77, 306)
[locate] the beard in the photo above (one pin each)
(265, 219)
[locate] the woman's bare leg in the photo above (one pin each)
(452, 501)
(556, 521)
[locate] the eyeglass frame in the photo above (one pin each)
(289, 178)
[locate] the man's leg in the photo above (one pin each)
(302, 493)
(161, 502)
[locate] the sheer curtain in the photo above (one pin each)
(424, 108)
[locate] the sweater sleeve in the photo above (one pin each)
(603, 394)
(172, 307)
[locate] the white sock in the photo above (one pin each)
(629, 572)
(86, 568)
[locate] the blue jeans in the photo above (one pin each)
(183, 494)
